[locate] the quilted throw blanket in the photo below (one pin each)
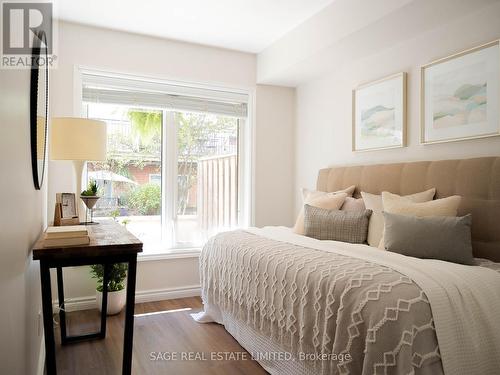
(336, 307)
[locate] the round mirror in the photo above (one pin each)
(39, 107)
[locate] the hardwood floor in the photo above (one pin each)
(161, 329)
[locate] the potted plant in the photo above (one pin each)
(90, 198)
(116, 287)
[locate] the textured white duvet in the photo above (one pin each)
(465, 300)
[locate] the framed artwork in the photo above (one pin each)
(379, 114)
(460, 96)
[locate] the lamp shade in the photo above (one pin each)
(40, 138)
(78, 139)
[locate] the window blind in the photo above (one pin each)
(99, 88)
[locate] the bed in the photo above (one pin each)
(303, 306)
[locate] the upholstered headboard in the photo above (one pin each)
(476, 180)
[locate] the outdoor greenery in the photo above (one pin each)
(145, 199)
(114, 213)
(146, 125)
(117, 275)
(198, 135)
(137, 148)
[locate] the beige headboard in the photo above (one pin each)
(476, 180)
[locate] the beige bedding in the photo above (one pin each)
(311, 298)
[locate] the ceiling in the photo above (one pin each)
(244, 25)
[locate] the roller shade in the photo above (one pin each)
(98, 88)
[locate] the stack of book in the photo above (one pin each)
(71, 235)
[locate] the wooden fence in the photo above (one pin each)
(218, 192)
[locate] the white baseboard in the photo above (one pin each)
(89, 302)
(170, 293)
(41, 357)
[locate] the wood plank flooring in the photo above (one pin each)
(162, 329)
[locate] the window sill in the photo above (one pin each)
(170, 254)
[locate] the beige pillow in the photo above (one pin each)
(374, 202)
(327, 201)
(306, 193)
(395, 204)
(353, 205)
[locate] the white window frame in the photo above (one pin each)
(246, 154)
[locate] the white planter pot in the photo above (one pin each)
(116, 301)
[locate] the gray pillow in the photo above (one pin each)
(437, 237)
(336, 225)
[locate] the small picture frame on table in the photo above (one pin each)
(66, 210)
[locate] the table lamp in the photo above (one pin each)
(79, 140)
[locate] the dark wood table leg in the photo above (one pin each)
(62, 311)
(128, 336)
(48, 324)
(104, 306)
(65, 339)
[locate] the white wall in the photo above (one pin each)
(295, 56)
(21, 221)
(348, 30)
(165, 59)
(274, 155)
(121, 52)
(323, 131)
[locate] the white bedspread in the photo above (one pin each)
(464, 300)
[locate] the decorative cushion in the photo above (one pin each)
(395, 204)
(336, 225)
(322, 199)
(310, 194)
(329, 202)
(374, 203)
(353, 204)
(436, 237)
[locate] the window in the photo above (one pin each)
(207, 175)
(133, 155)
(176, 167)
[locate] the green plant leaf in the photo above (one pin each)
(117, 275)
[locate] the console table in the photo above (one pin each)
(110, 243)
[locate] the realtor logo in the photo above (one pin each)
(27, 28)
(22, 22)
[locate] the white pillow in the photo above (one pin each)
(321, 199)
(374, 202)
(396, 204)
